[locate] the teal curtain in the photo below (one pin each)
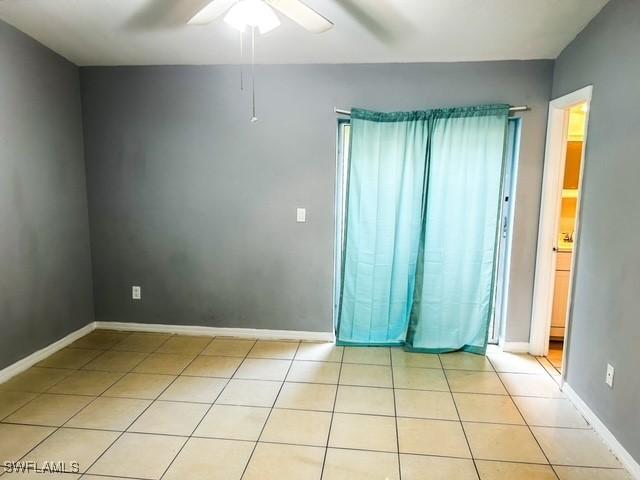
(454, 286)
(386, 183)
(421, 229)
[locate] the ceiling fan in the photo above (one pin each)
(259, 14)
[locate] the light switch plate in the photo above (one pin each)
(136, 293)
(609, 378)
(301, 215)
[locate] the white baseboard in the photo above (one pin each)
(614, 445)
(259, 333)
(515, 347)
(29, 361)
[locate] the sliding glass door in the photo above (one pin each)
(389, 232)
(342, 175)
(505, 231)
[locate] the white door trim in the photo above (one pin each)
(555, 152)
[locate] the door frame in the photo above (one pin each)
(550, 205)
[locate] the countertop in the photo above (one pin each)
(565, 246)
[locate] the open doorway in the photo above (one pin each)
(566, 232)
(559, 229)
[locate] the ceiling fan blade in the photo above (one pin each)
(302, 14)
(382, 19)
(163, 14)
(211, 11)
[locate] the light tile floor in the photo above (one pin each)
(152, 406)
(556, 350)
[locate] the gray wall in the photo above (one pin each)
(45, 286)
(197, 205)
(605, 319)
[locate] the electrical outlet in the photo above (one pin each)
(301, 215)
(136, 292)
(609, 378)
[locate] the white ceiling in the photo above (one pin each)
(143, 32)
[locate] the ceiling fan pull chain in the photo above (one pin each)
(241, 61)
(254, 119)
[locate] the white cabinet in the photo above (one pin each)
(563, 261)
(561, 294)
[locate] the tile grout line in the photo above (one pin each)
(295, 410)
(543, 367)
(557, 383)
(270, 410)
(56, 428)
(525, 422)
(96, 397)
(45, 392)
(559, 387)
(464, 431)
(547, 371)
(118, 437)
(298, 381)
(208, 409)
(395, 412)
(39, 394)
(551, 363)
(257, 379)
(278, 358)
(530, 374)
(123, 374)
(333, 411)
(335, 447)
(325, 383)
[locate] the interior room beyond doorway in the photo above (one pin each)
(566, 234)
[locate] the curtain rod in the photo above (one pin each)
(522, 108)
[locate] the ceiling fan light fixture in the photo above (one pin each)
(254, 14)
